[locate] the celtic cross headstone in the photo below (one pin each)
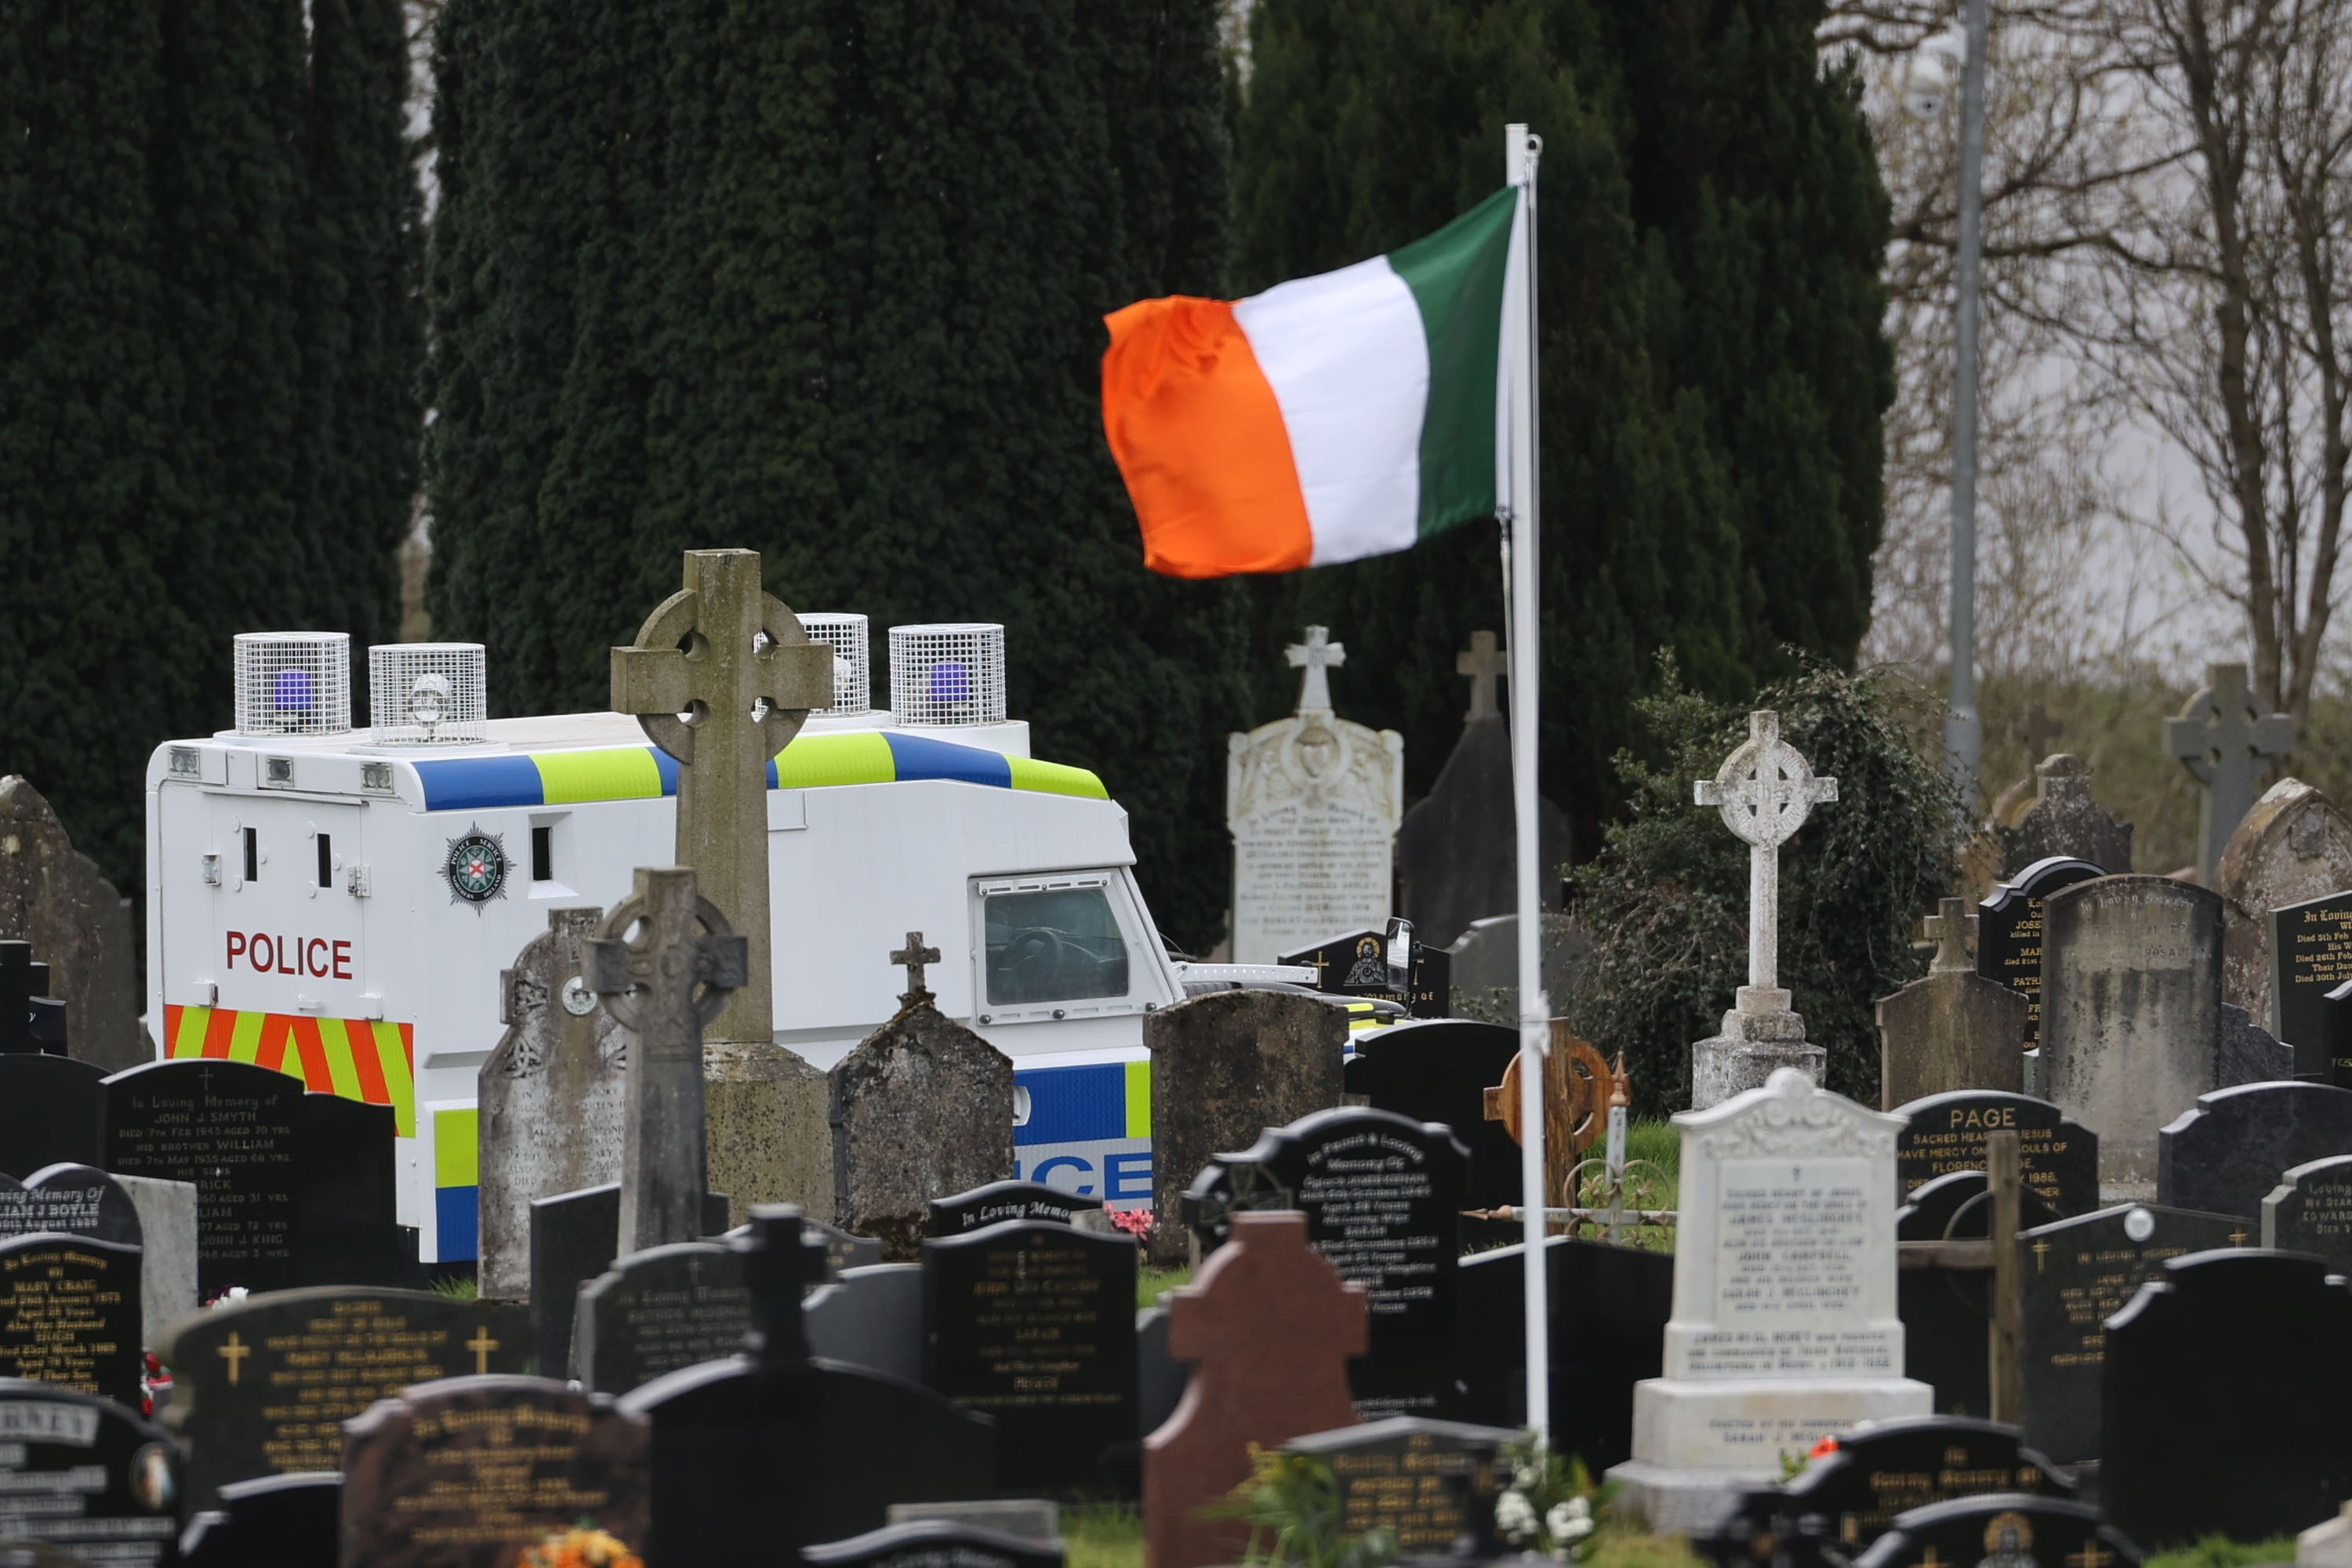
(665, 984)
(1483, 664)
(1765, 791)
(2221, 738)
(721, 676)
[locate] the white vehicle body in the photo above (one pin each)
(302, 912)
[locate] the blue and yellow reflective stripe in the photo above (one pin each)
(811, 762)
(457, 1182)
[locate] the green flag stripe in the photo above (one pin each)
(1456, 278)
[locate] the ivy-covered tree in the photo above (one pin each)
(1670, 500)
(834, 293)
(1666, 901)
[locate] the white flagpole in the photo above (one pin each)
(1521, 531)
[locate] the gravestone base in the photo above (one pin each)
(765, 1115)
(1760, 1036)
(1698, 1444)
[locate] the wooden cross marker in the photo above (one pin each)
(721, 676)
(914, 955)
(1483, 664)
(481, 1344)
(666, 986)
(2221, 737)
(1765, 790)
(1317, 654)
(234, 1353)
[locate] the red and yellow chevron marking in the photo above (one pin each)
(359, 1058)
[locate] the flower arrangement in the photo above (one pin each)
(1550, 1508)
(582, 1546)
(1136, 1223)
(1292, 1504)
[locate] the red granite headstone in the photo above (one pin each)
(1270, 1326)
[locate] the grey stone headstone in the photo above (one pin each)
(1457, 847)
(2244, 1052)
(657, 1310)
(54, 897)
(1486, 965)
(167, 1265)
(922, 1108)
(2131, 998)
(552, 1092)
(2311, 1211)
(2227, 1153)
(1953, 1030)
(2294, 846)
(871, 1316)
(1224, 1067)
(2062, 819)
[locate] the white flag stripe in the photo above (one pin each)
(1348, 362)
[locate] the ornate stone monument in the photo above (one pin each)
(1313, 803)
(1784, 1327)
(2221, 737)
(665, 985)
(1765, 790)
(721, 676)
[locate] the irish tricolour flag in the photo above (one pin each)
(1329, 418)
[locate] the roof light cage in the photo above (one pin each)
(428, 693)
(948, 674)
(852, 663)
(293, 683)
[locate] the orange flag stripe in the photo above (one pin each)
(1200, 440)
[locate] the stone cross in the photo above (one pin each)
(665, 985)
(1765, 790)
(721, 676)
(914, 955)
(1317, 654)
(1953, 928)
(2221, 736)
(1483, 664)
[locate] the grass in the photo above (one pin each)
(1150, 1282)
(2216, 1552)
(1103, 1535)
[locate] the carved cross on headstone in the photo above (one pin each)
(1483, 664)
(721, 676)
(1317, 654)
(783, 1259)
(2221, 737)
(914, 955)
(1765, 790)
(665, 985)
(1953, 928)
(30, 1020)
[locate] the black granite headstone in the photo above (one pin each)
(843, 1250)
(2078, 1273)
(2332, 1063)
(262, 1387)
(31, 1021)
(657, 1310)
(2060, 1159)
(2250, 1444)
(70, 1314)
(1890, 1467)
(1946, 1312)
(2311, 955)
(1382, 1197)
(2009, 930)
(72, 1200)
(574, 1237)
(87, 1475)
(1356, 965)
(871, 1316)
(292, 1188)
(1033, 1323)
(936, 1543)
(2013, 1529)
(277, 1522)
(1609, 1307)
(1000, 1201)
(2311, 1211)
(1431, 1484)
(2224, 1155)
(774, 1447)
(52, 1113)
(1439, 1071)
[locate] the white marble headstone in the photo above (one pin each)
(1313, 803)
